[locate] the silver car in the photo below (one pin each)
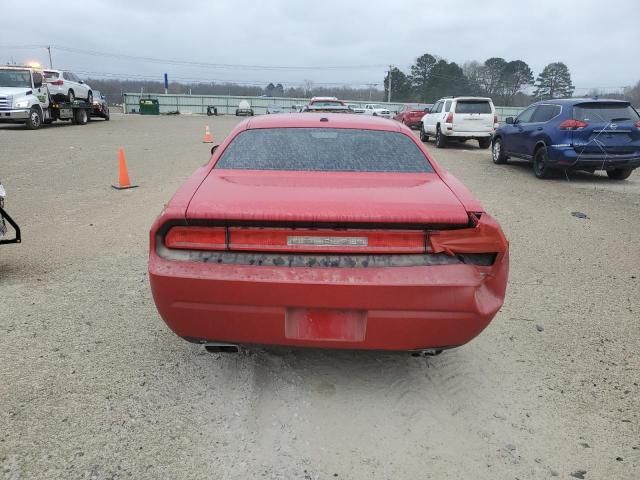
(65, 85)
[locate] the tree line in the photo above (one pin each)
(114, 88)
(431, 78)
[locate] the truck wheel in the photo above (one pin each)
(80, 117)
(441, 141)
(619, 173)
(484, 142)
(71, 97)
(107, 115)
(35, 119)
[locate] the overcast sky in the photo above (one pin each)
(599, 41)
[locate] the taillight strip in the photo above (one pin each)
(296, 240)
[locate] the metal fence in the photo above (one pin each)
(226, 105)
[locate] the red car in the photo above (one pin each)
(332, 231)
(411, 114)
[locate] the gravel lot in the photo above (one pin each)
(94, 386)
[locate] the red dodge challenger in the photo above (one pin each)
(329, 231)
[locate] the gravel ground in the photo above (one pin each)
(94, 386)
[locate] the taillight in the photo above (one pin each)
(495, 119)
(573, 124)
(638, 124)
(325, 240)
(57, 82)
(197, 238)
(449, 118)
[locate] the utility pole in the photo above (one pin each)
(389, 91)
(50, 61)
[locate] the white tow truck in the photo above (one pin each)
(25, 98)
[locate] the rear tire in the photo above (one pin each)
(35, 119)
(484, 142)
(423, 135)
(619, 173)
(80, 117)
(107, 115)
(497, 152)
(441, 140)
(540, 166)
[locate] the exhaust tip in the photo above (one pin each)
(221, 348)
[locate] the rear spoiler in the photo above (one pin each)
(4, 217)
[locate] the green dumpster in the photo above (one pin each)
(149, 106)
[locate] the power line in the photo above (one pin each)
(212, 65)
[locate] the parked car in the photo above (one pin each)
(573, 134)
(100, 106)
(327, 104)
(460, 118)
(326, 230)
(6, 221)
(376, 110)
(66, 86)
(274, 109)
(355, 108)
(411, 114)
(244, 108)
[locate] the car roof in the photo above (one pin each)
(313, 120)
(575, 101)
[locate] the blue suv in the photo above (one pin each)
(573, 134)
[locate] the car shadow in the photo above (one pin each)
(575, 176)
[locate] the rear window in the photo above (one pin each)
(473, 106)
(327, 103)
(604, 112)
(51, 75)
(323, 150)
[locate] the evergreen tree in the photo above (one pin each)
(420, 75)
(554, 82)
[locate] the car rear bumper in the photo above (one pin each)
(566, 157)
(15, 115)
(391, 308)
(451, 132)
(413, 122)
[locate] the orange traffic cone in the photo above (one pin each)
(208, 138)
(123, 174)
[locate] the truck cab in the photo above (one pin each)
(24, 97)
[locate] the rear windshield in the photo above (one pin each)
(51, 75)
(323, 150)
(327, 103)
(604, 112)
(473, 106)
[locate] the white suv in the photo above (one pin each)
(460, 118)
(66, 85)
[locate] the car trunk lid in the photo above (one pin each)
(473, 116)
(605, 128)
(302, 197)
